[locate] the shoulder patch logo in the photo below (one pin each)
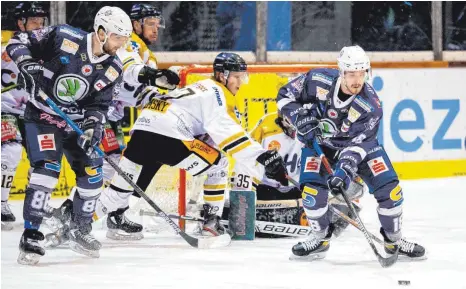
(274, 145)
(71, 32)
(322, 78)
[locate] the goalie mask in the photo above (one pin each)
(286, 126)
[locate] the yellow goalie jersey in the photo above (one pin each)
(205, 107)
(271, 136)
(137, 45)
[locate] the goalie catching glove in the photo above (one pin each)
(161, 78)
(274, 166)
(93, 128)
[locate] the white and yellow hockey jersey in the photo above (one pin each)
(134, 58)
(13, 101)
(205, 107)
(271, 136)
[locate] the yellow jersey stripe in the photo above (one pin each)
(240, 147)
(231, 139)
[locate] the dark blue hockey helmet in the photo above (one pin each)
(141, 11)
(25, 10)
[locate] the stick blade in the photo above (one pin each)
(214, 242)
(389, 261)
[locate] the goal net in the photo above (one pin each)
(174, 190)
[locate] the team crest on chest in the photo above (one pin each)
(86, 70)
(332, 113)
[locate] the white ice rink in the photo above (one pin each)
(434, 215)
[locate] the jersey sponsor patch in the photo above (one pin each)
(217, 95)
(95, 174)
(69, 46)
(111, 74)
(71, 32)
(298, 83)
(99, 85)
(274, 145)
(322, 78)
(312, 165)
(70, 88)
(353, 115)
(86, 70)
(9, 131)
(321, 93)
(157, 105)
(363, 104)
(377, 166)
(345, 126)
(359, 139)
(109, 141)
(332, 113)
(46, 142)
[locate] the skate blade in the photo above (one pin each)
(53, 241)
(308, 258)
(214, 242)
(7, 226)
(28, 258)
(119, 235)
(404, 258)
(81, 250)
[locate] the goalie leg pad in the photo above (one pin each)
(215, 185)
(11, 156)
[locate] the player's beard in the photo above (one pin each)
(109, 50)
(354, 89)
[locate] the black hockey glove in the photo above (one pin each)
(93, 128)
(341, 178)
(30, 76)
(307, 126)
(161, 78)
(274, 166)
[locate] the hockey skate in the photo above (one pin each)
(29, 247)
(212, 226)
(408, 250)
(82, 242)
(58, 221)
(121, 228)
(7, 217)
(314, 248)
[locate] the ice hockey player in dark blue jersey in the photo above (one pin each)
(78, 71)
(339, 107)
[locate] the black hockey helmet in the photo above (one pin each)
(141, 11)
(226, 62)
(24, 10)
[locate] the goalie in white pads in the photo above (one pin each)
(165, 133)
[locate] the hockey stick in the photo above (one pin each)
(342, 215)
(8, 88)
(210, 242)
(385, 262)
(273, 228)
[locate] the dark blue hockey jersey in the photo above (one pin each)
(73, 77)
(350, 126)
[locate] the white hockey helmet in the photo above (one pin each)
(113, 20)
(353, 58)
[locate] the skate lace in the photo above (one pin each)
(310, 245)
(6, 208)
(127, 221)
(406, 246)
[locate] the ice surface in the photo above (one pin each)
(434, 215)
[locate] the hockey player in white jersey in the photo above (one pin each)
(29, 16)
(165, 133)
